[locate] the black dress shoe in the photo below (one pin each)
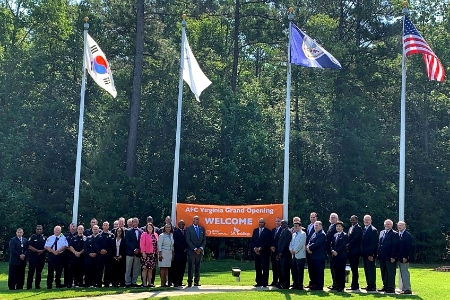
(333, 288)
(316, 289)
(383, 289)
(339, 290)
(389, 291)
(197, 284)
(371, 289)
(189, 285)
(407, 292)
(257, 285)
(273, 284)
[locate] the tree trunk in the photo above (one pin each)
(136, 93)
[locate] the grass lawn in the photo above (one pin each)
(426, 284)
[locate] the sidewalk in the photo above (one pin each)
(204, 289)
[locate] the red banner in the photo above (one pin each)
(229, 221)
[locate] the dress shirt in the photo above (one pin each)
(61, 243)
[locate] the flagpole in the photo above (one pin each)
(288, 123)
(178, 132)
(76, 192)
(401, 186)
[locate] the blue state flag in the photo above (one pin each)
(308, 53)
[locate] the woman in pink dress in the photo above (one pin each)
(149, 240)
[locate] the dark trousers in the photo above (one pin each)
(275, 268)
(55, 268)
(16, 276)
(103, 267)
(68, 277)
(77, 269)
(179, 267)
(36, 265)
(319, 270)
(154, 270)
(194, 262)
(369, 271)
(353, 260)
(90, 270)
(388, 271)
(294, 273)
(285, 270)
(332, 271)
(299, 265)
(118, 272)
(339, 271)
(262, 269)
(310, 270)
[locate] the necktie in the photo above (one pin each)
(365, 230)
(55, 245)
(337, 237)
(401, 233)
(351, 229)
(260, 231)
(196, 231)
(276, 232)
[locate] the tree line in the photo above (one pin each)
(345, 124)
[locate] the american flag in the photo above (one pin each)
(414, 43)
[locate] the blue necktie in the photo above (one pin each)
(196, 231)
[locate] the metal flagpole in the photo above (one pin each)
(288, 123)
(177, 139)
(76, 192)
(401, 186)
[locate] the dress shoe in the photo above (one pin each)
(316, 289)
(309, 286)
(332, 288)
(151, 285)
(339, 290)
(371, 289)
(257, 285)
(280, 287)
(135, 285)
(189, 285)
(407, 292)
(197, 284)
(389, 291)
(383, 289)
(273, 284)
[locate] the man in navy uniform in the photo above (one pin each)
(91, 250)
(104, 256)
(77, 259)
(36, 252)
(17, 262)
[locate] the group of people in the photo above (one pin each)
(290, 249)
(100, 257)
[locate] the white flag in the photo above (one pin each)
(192, 73)
(98, 67)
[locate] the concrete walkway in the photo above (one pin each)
(180, 291)
(204, 289)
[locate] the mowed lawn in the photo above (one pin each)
(426, 284)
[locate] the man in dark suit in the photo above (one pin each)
(317, 247)
(313, 217)
(17, 253)
(369, 246)
(339, 255)
(284, 255)
(103, 271)
(273, 253)
(260, 243)
(354, 250)
(196, 240)
(133, 254)
(180, 251)
(403, 256)
(387, 255)
(36, 252)
(330, 235)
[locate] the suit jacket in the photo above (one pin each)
(318, 245)
(122, 248)
(330, 235)
(275, 237)
(298, 244)
(284, 241)
(339, 244)
(180, 244)
(388, 245)
(369, 242)
(404, 246)
(354, 240)
(264, 240)
(132, 241)
(16, 248)
(308, 233)
(193, 241)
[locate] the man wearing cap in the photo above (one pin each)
(298, 252)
